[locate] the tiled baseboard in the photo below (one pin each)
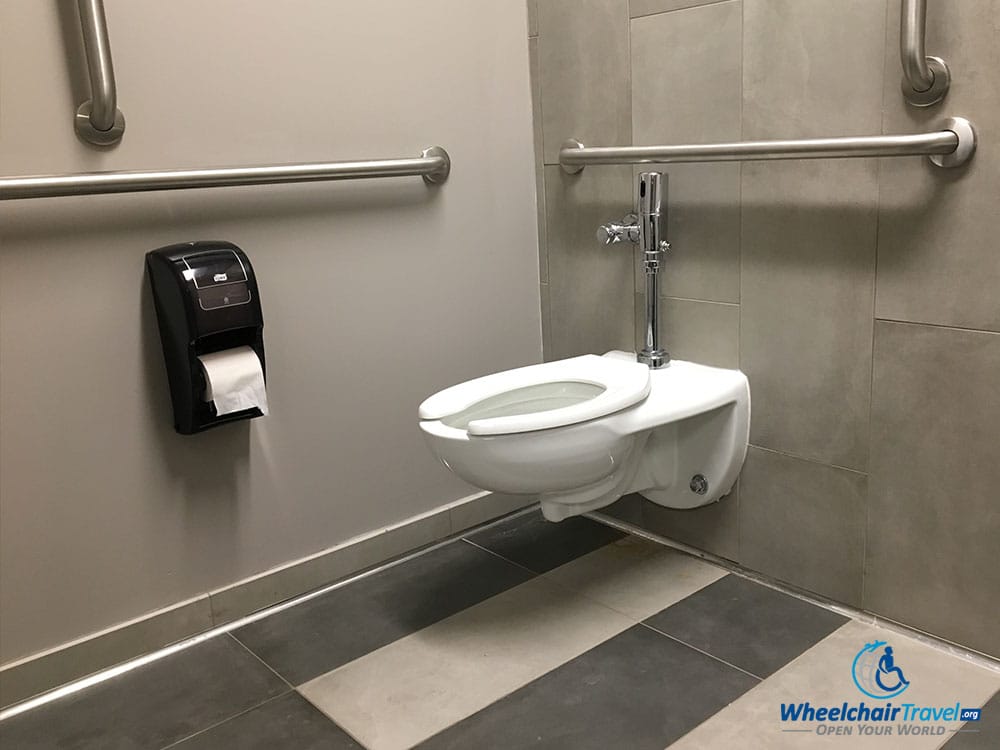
(38, 673)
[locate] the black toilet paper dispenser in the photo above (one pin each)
(206, 300)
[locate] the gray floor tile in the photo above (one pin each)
(288, 722)
(980, 735)
(636, 690)
(744, 623)
(324, 633)
(152, 706)
(539, 545)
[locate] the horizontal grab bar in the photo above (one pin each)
(953, 145)
(433, 165)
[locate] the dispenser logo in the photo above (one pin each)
(876, 673)
(220, 277)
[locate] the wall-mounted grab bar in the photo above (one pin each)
(433, 165)
(953, 145)
(925, 79)
(98, 120)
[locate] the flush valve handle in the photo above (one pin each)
(614, 232)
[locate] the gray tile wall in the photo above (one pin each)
(861, 297)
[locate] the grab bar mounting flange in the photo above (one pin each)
(98, 120)
(926, 79)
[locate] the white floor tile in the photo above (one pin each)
(822, 675)
(636, 577)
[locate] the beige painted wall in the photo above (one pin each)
(375, 294)
(860, 296)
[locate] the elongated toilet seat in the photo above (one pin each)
(540, 397)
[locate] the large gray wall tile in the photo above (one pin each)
(703, 227)
(938, 228)
(590, 284)
(934, 519)
(808, 256)
(804, 523)
(583, 52)
(812, 67)
(686, 75)
(704, 332)
(701, 102)
(713, 528)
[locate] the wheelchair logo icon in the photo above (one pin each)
(876, 673)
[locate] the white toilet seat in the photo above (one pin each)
(540, 397)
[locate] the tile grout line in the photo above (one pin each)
(886, 44)
(982, 660)
(871, 374)
(226, 720)
(968, 329)
(700, 651)
(501, 557)
(810, 460)
(696, 299)
(252, 653)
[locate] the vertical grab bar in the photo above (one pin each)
(925, 79)
(98, 120)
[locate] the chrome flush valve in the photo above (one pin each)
(646, 228)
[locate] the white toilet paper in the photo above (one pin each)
(235, 380)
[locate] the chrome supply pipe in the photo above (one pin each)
(433, 165)
(98, 120)
(925, 79)
(951, 146)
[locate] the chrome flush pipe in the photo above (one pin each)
(652, 219)
(646, 228)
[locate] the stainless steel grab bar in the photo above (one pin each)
(433, 165)
(925, 79)
(98, 120)
(951, 146)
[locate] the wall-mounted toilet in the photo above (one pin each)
(582, 432)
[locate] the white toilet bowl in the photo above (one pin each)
(582, 432)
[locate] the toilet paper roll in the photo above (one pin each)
(234, 380)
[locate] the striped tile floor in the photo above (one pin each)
(522, 634)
